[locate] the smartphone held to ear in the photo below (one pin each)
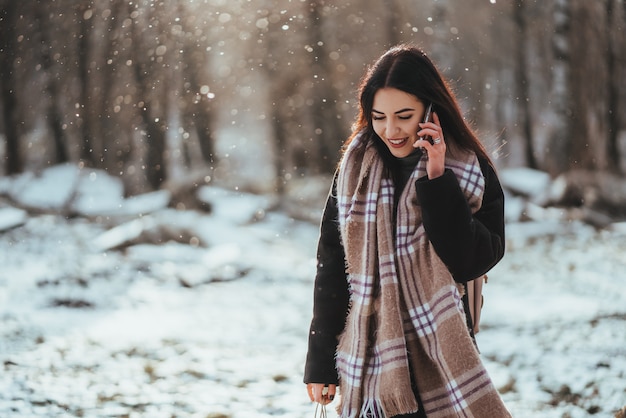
(427, 115)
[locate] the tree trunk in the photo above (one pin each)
(613, 88)
(115, 144)
(88, 151)
(521, 84)
(156, 172)
(200, 114)
(8, 47)
(588, 85)
(281, 86)
(152, 114)
(280, 140)
(54, 116)
(558, 151)
(203, 122)
(328, 130)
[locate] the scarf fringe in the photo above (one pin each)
(372, 409)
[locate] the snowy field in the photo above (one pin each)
(213, 321)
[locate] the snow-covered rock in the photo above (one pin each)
(90, 192)
(236, 207)
(11, 217)
(52, 189)
(525, 181)
(97, 192)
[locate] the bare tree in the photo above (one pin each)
(558, 150)
(282, 86)
(521, 83)
(588, 86)
(197, 98)
(150, 90)
(54, 116)
(108, 79)
(199, 114)
(8, 46)
(329, 131)
(613, 82)
(90, 151)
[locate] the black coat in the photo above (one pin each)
(469, 245)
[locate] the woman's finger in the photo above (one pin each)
(315, 391)
(321, 393)
(309, 389)
(439, 135)
(332, 391)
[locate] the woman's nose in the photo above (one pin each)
(391, 127)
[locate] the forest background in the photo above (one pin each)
(161, 92)
(115, 301)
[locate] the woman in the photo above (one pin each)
(414, 213)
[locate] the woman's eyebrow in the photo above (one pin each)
(406, 109)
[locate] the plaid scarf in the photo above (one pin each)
(406, 322)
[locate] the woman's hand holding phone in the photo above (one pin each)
(430, 139)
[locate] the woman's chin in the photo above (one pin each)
(401, 152)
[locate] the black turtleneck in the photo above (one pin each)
(406, 165)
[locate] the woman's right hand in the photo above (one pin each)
(321, 393)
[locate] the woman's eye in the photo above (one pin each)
(405, 117)
(378, 117)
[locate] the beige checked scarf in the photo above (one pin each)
(405, 306)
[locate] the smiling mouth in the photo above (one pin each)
(397, 142)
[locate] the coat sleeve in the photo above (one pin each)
(330, 300)
(470, 245)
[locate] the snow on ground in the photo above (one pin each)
(217, 327)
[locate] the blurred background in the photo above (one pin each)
(151, 91)
(164, 163)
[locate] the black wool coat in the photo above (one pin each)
(469, 245)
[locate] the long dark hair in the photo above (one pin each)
(407, 68)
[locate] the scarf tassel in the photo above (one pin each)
(372, 408)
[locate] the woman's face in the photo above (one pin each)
(395, 118)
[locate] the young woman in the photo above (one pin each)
(414, 213)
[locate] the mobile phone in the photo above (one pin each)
(427, 114)
(429, 110)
